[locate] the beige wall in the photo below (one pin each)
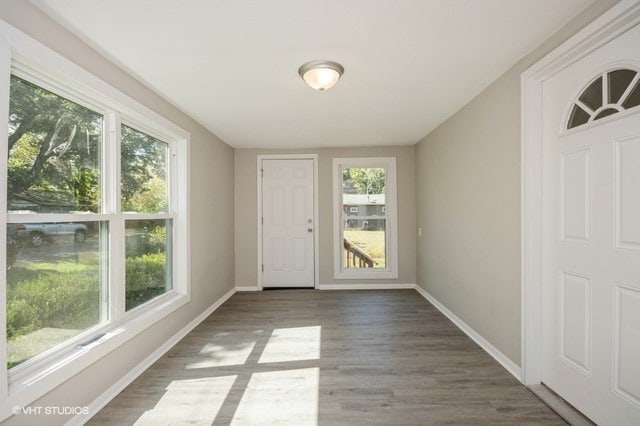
(211, 214)
(468, 204)
(246, 211)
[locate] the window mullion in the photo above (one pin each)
(116, 223)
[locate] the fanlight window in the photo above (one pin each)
(610, 93)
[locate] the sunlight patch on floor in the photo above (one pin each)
(226, 349)
(288, 396)
(292, 344)
(198, 400)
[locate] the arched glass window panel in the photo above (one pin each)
(619, 81)
(578, 117)
(607, 94)
(592, 95)
(633, 100)
(605, 113)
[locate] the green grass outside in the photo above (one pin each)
(51, 301)
(371, 242)
(61, 297)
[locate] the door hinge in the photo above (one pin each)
(262, 220)
(261, 172)
(262, 268)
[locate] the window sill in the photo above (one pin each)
(28, 385)
(361, 274)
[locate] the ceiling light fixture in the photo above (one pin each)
(321, 75)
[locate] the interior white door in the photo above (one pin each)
(591, 222)
(288, 230)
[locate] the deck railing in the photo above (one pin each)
(356, 257)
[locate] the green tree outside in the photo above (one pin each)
(369, 180)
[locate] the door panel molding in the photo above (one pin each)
(627, 179)
(575, 321)
(316, 225)
(626, 374)
(576, 192)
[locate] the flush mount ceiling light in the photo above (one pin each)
(321, 75)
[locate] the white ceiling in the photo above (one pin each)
(233, 64)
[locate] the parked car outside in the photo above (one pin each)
(38, 233)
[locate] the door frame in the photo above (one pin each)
(316, 225)
(603, 29)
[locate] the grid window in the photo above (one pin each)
(93, 219)
(608, 94)
(61, 249)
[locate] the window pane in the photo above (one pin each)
(606, 113)
(364, 243)
(54, 152)
(633, 100)
(592, 95)
(364, 212)
(148, 260)
(144, 172)
(578, 117)
(619, 81)
(56, 284)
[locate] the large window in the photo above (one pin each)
(59, 220)
(94, 199)
(365, 218)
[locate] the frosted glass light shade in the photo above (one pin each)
(321, 75)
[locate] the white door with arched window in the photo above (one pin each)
(591, 232)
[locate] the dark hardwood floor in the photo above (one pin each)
(326, 357)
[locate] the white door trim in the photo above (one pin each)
(316, 228)
(610, 25)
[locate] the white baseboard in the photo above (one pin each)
(509, 365)
(367, 286)
(247, 288)
(125, 381)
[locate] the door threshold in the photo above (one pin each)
(560, 406)
(288, 288)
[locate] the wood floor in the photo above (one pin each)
(326, 357)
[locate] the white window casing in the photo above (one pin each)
(390, 271)
(28, 59)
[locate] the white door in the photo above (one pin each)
(591, 222)
(288, 230)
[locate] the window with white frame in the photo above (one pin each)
(95, 225)
(57, 255)
(610, 93)
(365, 239)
